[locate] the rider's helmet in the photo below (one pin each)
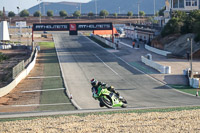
(94, 82)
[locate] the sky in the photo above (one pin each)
(11, 5)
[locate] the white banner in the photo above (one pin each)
(21, 24)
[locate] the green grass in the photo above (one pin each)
(100, 43)
(52, 68)
(141, 67)
(185, 88)
(3, 57)
(47, 45)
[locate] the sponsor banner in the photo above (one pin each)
(20, 24)
(72, 27)
(51, 27)
(94, 26)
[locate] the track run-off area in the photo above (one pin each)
(82, 59)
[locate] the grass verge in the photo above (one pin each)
(139, 111)
(52, 68)
(185, 88)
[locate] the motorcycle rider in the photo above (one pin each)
(96, 84)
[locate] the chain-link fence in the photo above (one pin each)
(21, 65)
(17, 69)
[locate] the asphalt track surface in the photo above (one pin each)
(81, 60)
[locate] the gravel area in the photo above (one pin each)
(181, 121)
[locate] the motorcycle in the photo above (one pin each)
(109, 99)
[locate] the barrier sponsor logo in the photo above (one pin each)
(72, 27)
(94, 26)
(50, 27)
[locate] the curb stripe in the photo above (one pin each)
(32, 105)
(42, 77)
(43, 90)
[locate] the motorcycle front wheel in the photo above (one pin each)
(106, 101)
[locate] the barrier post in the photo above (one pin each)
(32, 40)
(112, 36)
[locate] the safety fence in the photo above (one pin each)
(22, 65)
(5, 90)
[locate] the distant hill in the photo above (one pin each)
(112, 6)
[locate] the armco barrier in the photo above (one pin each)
(157, 51)
(5, 90)
(160, 68)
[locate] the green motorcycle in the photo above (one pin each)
(109, 99)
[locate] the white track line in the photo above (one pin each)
(32, 105)
(158, 81)
(65, 82)
(43, 77)
(105, 64)
(43, 90)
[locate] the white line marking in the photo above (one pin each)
(65, 82)
(32, 105)
(158, 81)
(43, 90)
(126, 44)
(42, 77)
(106, 64)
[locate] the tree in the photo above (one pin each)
(1, 13)
(104, 13)
(90, 14)
(63, 13)
(50, 13)
(172, 27)
(37, 14)
(129, 14)
(77, 14)
(142, 13)
(115, 14)
(197, 31)
(24, 13)
(11, 14)
(179, 15)
(161, 11)
(152, 20)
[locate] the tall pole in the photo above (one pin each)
(80, 7)
(191, 58)
(154, 12)
(191, 52)
(40, 9)
(96, 7)
(19, 30)
(43, 8)
(119, 10)
(139, 10)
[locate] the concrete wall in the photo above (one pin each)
(5, 46)
(157, 51)
(160, 68)
(113, 45)
(7, 89)
(194, 82)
